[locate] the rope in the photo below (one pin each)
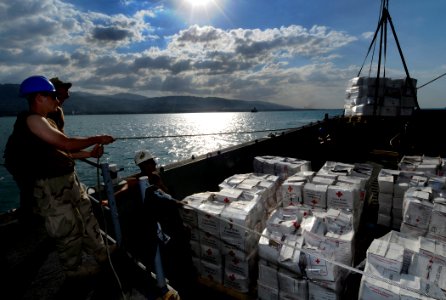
(105, 227)
(438, 77)
(200, 134)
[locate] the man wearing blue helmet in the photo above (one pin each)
(60, 198)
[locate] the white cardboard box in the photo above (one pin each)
(315, 195)
(291, 192)
(265, 292)
(434, 249)
(269, 246)
(342, 197)
(290, 254)
(437, 225)
(236, 281)
(282, 223)
(244, 267)
(426, 269)
(386, 181)
(385, 254)
(228, 195)
(374, 289)
(209, 239)
(268, 275)
(210, 254)
(292, 286)
(212, 272)
(189, 210)
(208, 216)
(417, 213)
(318, 292)
(412, 230)
(317, 266)
(237, 216)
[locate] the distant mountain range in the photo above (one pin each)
(87, 103)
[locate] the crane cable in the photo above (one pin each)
(438, 77)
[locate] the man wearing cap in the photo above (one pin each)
(146, 213)
(146, 163)
(175, 254)
(59, 195)
(62, 94)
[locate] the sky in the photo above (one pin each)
(299, 53)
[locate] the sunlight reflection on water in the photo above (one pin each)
(171, 137)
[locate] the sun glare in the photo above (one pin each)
(198, 2)
(200, 12)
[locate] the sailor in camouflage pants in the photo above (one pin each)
(69, 218)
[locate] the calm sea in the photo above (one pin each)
(170, 137)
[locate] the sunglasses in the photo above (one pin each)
(48, 94)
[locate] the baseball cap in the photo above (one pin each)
(59, 83)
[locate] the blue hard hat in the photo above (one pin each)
(35, 84)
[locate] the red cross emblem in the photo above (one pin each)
(339, 194)
(226, 200)
(290, 188)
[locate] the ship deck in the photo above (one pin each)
(29, 268)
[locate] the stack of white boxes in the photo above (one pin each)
(418, 175)
(410, 264)
(308, 222)
(387, 185)
(223, 228)
(283, 167)
(395, 96)
(402, 267)
(425, 164)
(313, 228)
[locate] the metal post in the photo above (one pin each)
(159, 272)
(111, 202)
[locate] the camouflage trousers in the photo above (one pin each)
(69, 218)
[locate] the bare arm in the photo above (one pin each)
(41, 128)
(96, 152)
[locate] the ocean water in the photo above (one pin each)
(170, 137)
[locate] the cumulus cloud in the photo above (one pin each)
(122, 53)
(367, 35)
(111, 33)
